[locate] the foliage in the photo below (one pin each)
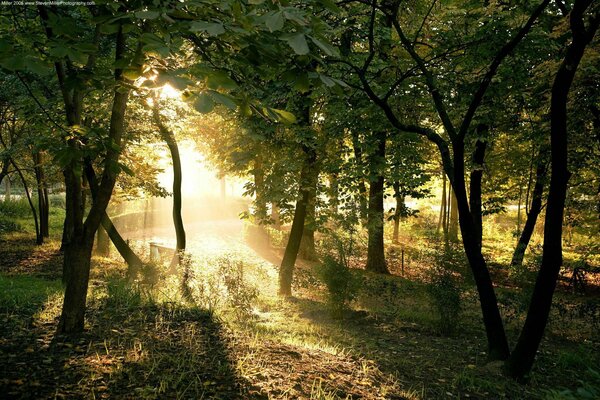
(445, 289)
(341, 284)
(218, 285)
(589, 388)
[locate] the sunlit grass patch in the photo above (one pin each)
(24, 292)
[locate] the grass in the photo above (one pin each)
(146, 341)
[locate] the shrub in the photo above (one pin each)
(589, 389)
(240, 295)
(445, 288)
(121, 294)
(218, 285)
(18, 208)
(341, 284)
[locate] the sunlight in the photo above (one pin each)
(169, 92)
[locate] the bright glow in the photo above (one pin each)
(169, 92)
(198, 178)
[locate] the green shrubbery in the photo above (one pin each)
(334, 272)
(445, 287)
(218, 285)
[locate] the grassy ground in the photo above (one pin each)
(219, 331)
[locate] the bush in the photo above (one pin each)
(240, 295)
(218, 285)
(10, 226)
(121, 294)
(341, 284)
(445, 288)
(15, 208)
(589, 389)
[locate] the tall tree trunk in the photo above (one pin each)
(375, 248)
(334, 193)
(475, 183)
(275, 216)
(259, 188)
(523, 356)
(307, 244)
(286, 271)
(7, 191)
(169, 138)
(102, 243)
(42, 192)
(532, 215)
(442, 219)
(452, 217)
(78, 250)
(107, 230)
(398, 211)
(497, 343)
(362, 188)
(39, 239)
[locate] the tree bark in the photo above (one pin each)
(375, 248)
(39, 239)
(307, 244)
(497, 343)
(523, 356)
(532, 215)
(102, 243)
(169, 138)
(78, 250)
(42, 191)
(475, 183)
(398, 212)
(286, 271)
(362, 188)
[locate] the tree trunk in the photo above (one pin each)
(169, 138)
(39, 239)
(78, 250)
(307, 244)
(260, 202)
(102, 243)
(522, 358)
(375, 248)
(534, 212)
(286, 270)
(452, 217)
(7, 191)
(442, 219)
(77, 255)
(397, 212)
(42, 191)
(275, 216)
(362, 188)
(475, 183)
(497, 343)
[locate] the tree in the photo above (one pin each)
(521, 360)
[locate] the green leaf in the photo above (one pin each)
(220, 79)
(204, 103)
(275, 21)
(298, 44)
(147, 14)
(326, 47)
(212, 28)
(224, 99)
(284, 116)
(256, 1)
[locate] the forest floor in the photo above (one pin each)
(147, 343)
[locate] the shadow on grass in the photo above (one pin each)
(129, 350)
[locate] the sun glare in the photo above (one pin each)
(169, 92)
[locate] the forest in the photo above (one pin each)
(286, 199)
